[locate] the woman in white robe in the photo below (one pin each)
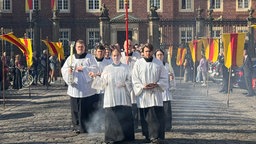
(116, 81)
(83, 99)
(167, 96)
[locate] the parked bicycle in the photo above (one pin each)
(27, 78)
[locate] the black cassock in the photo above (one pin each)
(119, 124)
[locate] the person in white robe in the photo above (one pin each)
(116, 81)
(108, 55)
(167, 95)
(149, 79)
(101, 63)
(83, 98)
(130, 58)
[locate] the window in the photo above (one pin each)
(217, 31)
(36, 4)
(65, 36)
(93, 37)
(243, 29)
(6, 6)
(93, 5)
(186, 5)
(243, 5)
(63, 6)
(185, 34)
(156, 3)
(121, 6)
(29, 33)
(216, 5)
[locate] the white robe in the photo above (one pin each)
(101, 65)
(109, 61)
(81, 87)
(145, 73)
(116, 81)
(135, 56)
(167, 96)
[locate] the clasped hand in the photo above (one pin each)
(150, 86)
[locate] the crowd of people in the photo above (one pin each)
(16, 66)
(128, 88)
(228, 79)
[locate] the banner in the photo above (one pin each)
(233, 44)
(55, 48)
(28, 5)
(51, 47)
(28, 44)
(60, 51)
(169, 55)
(15, 41)
(54, 4)
(196, 49)
(181, 53)
(211, 46)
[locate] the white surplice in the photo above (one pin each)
(101, 65)
(132, 59)
(149, 72)
(116, 81)
(81, 86)
(167, 96)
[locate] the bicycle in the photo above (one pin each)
(27, 79)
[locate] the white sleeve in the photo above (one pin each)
(136, 81)
(65, 69)
(163, 80)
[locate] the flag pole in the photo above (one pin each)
(47, 67)
(126, 2)
(180, 73)
(207, 78)
(3, 78)
(229, 79)
(207, 74)
(29, 89)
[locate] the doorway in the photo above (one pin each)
(121, 37)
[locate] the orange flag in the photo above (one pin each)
(28, 44)
(196, 48)
(60, 51)
(54, 4)
(55, 48)
(211, 46)
(233, 44)
(14, 40)
(52, 47)
(169, 56)
(28, 5)
(180, 56)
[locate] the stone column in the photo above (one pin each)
(210, 22)
(154, 34)
(104, 25)
(55, 26)
(199, 23)
(250, 21)
(35, 24)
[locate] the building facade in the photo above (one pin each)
(180, 21)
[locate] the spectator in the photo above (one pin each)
(17, 82)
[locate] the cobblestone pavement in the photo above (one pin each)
(198, 117)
